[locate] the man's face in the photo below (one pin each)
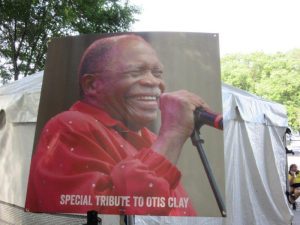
(130, 86)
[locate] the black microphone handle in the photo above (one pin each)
(203, 117)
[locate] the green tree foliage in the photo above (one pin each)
(26, 26)
(272, 76)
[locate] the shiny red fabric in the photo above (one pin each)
(85, 160)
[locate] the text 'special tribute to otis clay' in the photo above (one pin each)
(114, 127)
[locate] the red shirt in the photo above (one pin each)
(86, 160)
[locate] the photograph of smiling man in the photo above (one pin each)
(121, 146)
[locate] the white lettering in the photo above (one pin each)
(178, 203)
(112, 200)
(138, 201)
(75, 200)
(155, 201)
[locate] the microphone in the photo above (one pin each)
(203, 117)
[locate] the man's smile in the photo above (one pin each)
(146, 97)
(145, 101)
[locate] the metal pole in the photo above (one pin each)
(92, 218)
(197, 141)
(130, 220)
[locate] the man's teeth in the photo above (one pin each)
(149, 98)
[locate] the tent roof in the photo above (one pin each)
(239, 104)
(27, 84)
(20, 99)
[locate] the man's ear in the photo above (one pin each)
(88, 84)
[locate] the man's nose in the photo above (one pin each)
(149, 79)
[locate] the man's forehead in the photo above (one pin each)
(130, 43)
(116, 44)
(118, 40)
(134, 49)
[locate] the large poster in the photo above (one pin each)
(114, 125)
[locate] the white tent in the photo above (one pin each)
(255, 159)
(18, 113)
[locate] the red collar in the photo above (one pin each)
(145, 138)
(99, 115)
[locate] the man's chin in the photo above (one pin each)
(143, 119)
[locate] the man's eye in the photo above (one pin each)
(157, 73)
(137, 73)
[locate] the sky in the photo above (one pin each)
(243, 26)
